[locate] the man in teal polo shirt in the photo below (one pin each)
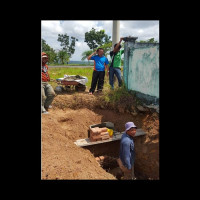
(115, 67)
(100, 63)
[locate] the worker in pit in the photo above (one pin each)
(48, 93)
(127, 152)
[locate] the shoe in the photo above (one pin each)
(90, 93)
(46, 108)
(45, 112)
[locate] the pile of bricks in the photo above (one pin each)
(105, 159)
(98, 134)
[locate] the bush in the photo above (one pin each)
(119, 96)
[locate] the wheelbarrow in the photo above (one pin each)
(72, 80)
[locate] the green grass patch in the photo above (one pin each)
(72, 64)
(118, 96)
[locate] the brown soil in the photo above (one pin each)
(69, 120)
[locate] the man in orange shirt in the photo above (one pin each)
(48, 93)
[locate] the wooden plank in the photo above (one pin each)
(116, 136)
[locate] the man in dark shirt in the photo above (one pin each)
(127, 153)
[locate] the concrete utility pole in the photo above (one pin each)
(115, 32)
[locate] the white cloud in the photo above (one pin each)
(80, 48)
(86, 24)
(78, 28)
(50, 31)
(51, 28)
(142, 29)
(52, 25)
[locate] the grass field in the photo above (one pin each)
(72, 64)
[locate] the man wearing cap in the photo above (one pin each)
(48, 93)
(127, 153)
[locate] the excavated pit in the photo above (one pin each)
(107, 154)
(69, 121)
(110, 165)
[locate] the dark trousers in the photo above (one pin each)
(97, 79)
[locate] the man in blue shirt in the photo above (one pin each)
(127, 153)
(100, 63)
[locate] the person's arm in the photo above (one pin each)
(107, 68)
(89, 57)
(126, 155)
(117, 46)
(111, 53)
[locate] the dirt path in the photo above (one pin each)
(61, 158)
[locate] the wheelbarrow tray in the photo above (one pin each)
(64, 82)
(73, 80)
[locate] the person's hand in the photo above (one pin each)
(121, 39)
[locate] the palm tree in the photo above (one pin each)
(85, 54)
(63, 56)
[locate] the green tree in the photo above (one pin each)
(107, 47)
(56, 59)
(95, 38)
(85, 54)
(45, 46)
(151, 40)
(49, 51)
(63, 56)
(52, 56)
(68, 44)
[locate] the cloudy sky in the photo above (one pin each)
(51, 28)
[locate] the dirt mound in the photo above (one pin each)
(61, 158)
(69, 120)
(75, 100)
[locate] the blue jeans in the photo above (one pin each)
(115, 71)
